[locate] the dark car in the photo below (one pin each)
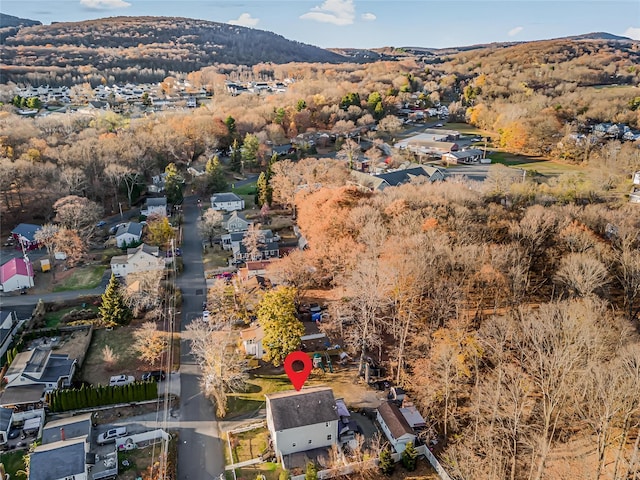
(14, 433)
(155, 375)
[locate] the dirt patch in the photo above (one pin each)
(75, 344)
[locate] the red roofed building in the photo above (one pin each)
(16, 274)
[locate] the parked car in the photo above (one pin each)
(14, 433)
(110, 435)
(157, 375)
(119, 380)
(101, 224)
(205, 315)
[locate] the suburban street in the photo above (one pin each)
(200, 449)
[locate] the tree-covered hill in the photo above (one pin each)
(156, 44)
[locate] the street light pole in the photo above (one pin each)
(120, 206)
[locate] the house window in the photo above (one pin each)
(309, 442)
(326, 424)
(328, 437)
(294, 445)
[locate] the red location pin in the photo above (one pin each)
(298, 377)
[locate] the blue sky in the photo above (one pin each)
(370, 23)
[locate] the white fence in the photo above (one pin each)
(138, 440)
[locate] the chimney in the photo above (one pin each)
(62, 434)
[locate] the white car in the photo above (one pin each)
(119, 380)
(110, 435)
(205, 315)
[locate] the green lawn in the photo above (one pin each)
(13, 462)
(252, 398)
(248, 189)
(82, 278)
(52, 319)
(533, 164)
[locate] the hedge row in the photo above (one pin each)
(95, 396)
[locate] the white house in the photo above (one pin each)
(16, 274)
(227, 202)
(40, 366)
(155, 205)
(301, 421)
(235, 222)
(252, 341)
(395, 426)
(143, 258)
(8, 327)
(128, 233)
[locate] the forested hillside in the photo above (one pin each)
(142, 49)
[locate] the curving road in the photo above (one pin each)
(200, 451)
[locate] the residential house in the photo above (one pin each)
(34, 371)
(267, 248)
(16, 274)
(63, 460)
(157, 184)
(227, 202)
(395, 426)
(253, 269)
(252, 341)
(412, 415)
(397, 177)
(428, 147)
(302, 420)
(154, 206)
(128, 234)
(143, 258)
(235, 222)
(24, 235)
(8, 328)
(452, 135)
(230, 239)
(467, 157)
(6, 416)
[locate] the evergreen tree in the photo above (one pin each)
(312, 472)
(113, 309)
(173, 184)
(410, 457)
(230, 122)
(264, 191)
(387, 465)
(215, 175)
(250, 147)
(235, 162)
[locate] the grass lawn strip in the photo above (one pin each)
(248, 445)
(13, 462)
(82, 278)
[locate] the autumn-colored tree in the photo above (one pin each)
(282, 330)
(150, 343)
(159, 231)
(79, 214)
(210, 224)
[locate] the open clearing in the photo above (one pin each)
(81, 278)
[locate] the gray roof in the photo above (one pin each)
(67, 460)
(309, 406)
(52, 365)
(472, 152)
(133, 228)
(392, 416)
(145, 248)
(22, 395)
(235, 213)
(5, 419)
(26, 230)
(74, 427)
(157, 202)
(225, 197)
(403, 176)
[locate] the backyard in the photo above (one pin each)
(13, 462)
(80, 278)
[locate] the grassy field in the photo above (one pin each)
(247, 192)
(95, 370)
(52, 319)
(271, 471)
(215, 258)
(13, 462)
(248, 445)
(533, 164)
(252, 398)
(82, 278)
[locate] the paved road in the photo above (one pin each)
(200, 454)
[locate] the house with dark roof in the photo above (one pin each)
(397, 177)
(395, 426)
(302, 421)
(34, 371)
(6, 415)
(8, 328)
(16, 274)
(128, 233)
(24, 235)
(63, 460)
(227, 202)
(268, 247)
(154, 206)
(465, 157)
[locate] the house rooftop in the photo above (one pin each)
(74, 427)
(133, 228)
(21, 395)
(58, 460)
(255, 332)
(26, 230)
(394, 419)
(157, 202)
(15, 266)
(148, 249)
(309, 406)
(225, 197)
(5, 418)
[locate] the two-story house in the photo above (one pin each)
(143, 258)
(227, 202)
(301, 421)
(156, 206)
(235, 222)
(267, 247)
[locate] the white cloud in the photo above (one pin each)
(632, 32)
(338, 12)
(104, 4)
(245, 20)
(369, 17)
(514, 31)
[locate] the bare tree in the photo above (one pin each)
(210, 224)
(47, 236)
(349, 152)
(108, 356)
(253, 241)
(223, 365)
(581, 274)
(79, 214)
